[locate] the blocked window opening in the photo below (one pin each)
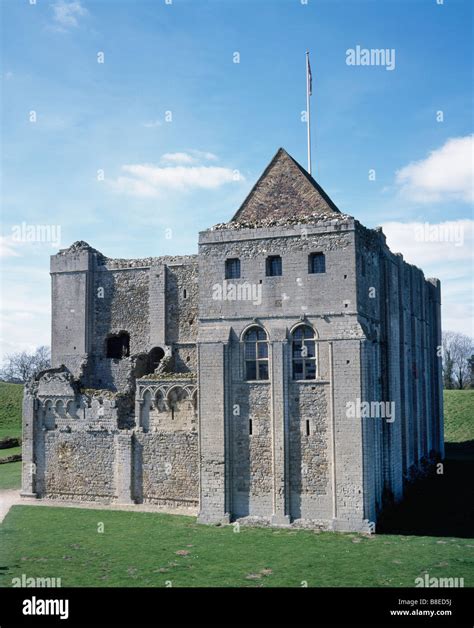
(274, 266)
(232, 268)
(154, 358)
(316, 263)
(118, 346)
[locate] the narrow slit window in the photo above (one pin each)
(308, 429)
(250, 427)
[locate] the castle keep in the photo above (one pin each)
(288, 373)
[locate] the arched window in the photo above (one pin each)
(154, 358)
(304, 352)
(256, 354)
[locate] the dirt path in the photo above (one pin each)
(11, 497)
(8, 498)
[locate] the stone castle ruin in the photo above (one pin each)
(287, 374)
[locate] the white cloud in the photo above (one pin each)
(442, 250)
(424, 243)
(178, 158)
(66, 14)
(8, 247)
(447, 173)
(26, 314)
(149, 180)
(199, 154)
(190, 157)
(152, 124)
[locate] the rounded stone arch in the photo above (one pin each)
(148, 397)
(176, 393)
(47, 404)
(161, 403)
(155, 355)
(255, 353)
(304, 351)
(49, 414)
(190, 390)
(303, 324)
(145, 407)
(60, 408)
(249, 327)
(71, 408)
(144, 391)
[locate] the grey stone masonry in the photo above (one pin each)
(287, 374)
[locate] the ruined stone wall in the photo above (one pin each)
(182, 296)
(165, 443)
(154, 300)
(120, 304)
(166, 468)
(75, 440)
(124, 306)
(84, 448)
(79, 465)
(181, 305)
(70, 298)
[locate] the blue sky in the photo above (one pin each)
(168, 175)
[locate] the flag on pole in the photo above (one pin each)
(309, 91)
(310, 79)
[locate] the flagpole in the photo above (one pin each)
(308, 114)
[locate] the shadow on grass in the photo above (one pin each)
(440, 505)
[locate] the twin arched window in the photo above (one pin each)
(303, 353)
(256, 354)
(303, 347)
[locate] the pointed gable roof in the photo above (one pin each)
(285, 190)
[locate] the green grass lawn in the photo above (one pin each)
(10, 475)
(11, 451)
(458, 415)
(148, 549)
(11, 396)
